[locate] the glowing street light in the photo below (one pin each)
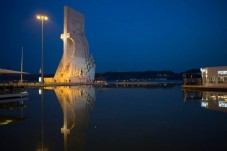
(42, 18)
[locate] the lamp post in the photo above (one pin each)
(42, 18)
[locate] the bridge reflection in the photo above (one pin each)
(76, 103)
(209, 100)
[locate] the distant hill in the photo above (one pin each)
(193, 71)
(134, 75)
(148, 75)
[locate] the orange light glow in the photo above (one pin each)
(42, 17)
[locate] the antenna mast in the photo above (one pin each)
(22, 55)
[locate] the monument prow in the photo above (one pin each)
(77, 64)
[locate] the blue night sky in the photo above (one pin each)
(123, 35)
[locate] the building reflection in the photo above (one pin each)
(209, 100)
(76, 103)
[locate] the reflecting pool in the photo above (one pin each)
(85, 118)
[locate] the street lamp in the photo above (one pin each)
(42, 18)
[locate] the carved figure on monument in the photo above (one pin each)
(77, 64)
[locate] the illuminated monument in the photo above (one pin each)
(77, 64)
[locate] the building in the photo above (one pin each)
(214, 76)
(192, 79)
(77, 64)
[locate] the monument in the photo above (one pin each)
(77, 64)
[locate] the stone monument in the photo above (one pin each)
(77, 64)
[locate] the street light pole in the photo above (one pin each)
(42, 18)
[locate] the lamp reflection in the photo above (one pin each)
(41, 145)
(209, 100)
(76, 103)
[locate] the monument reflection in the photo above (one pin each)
(76, 103)
(209, 100)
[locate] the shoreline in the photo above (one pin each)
(204, 88)
(107, 84)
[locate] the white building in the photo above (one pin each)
(214, 76)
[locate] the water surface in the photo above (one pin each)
(89, 119)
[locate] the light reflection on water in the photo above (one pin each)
(76, 103)
(87, 118)
(209, 100)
